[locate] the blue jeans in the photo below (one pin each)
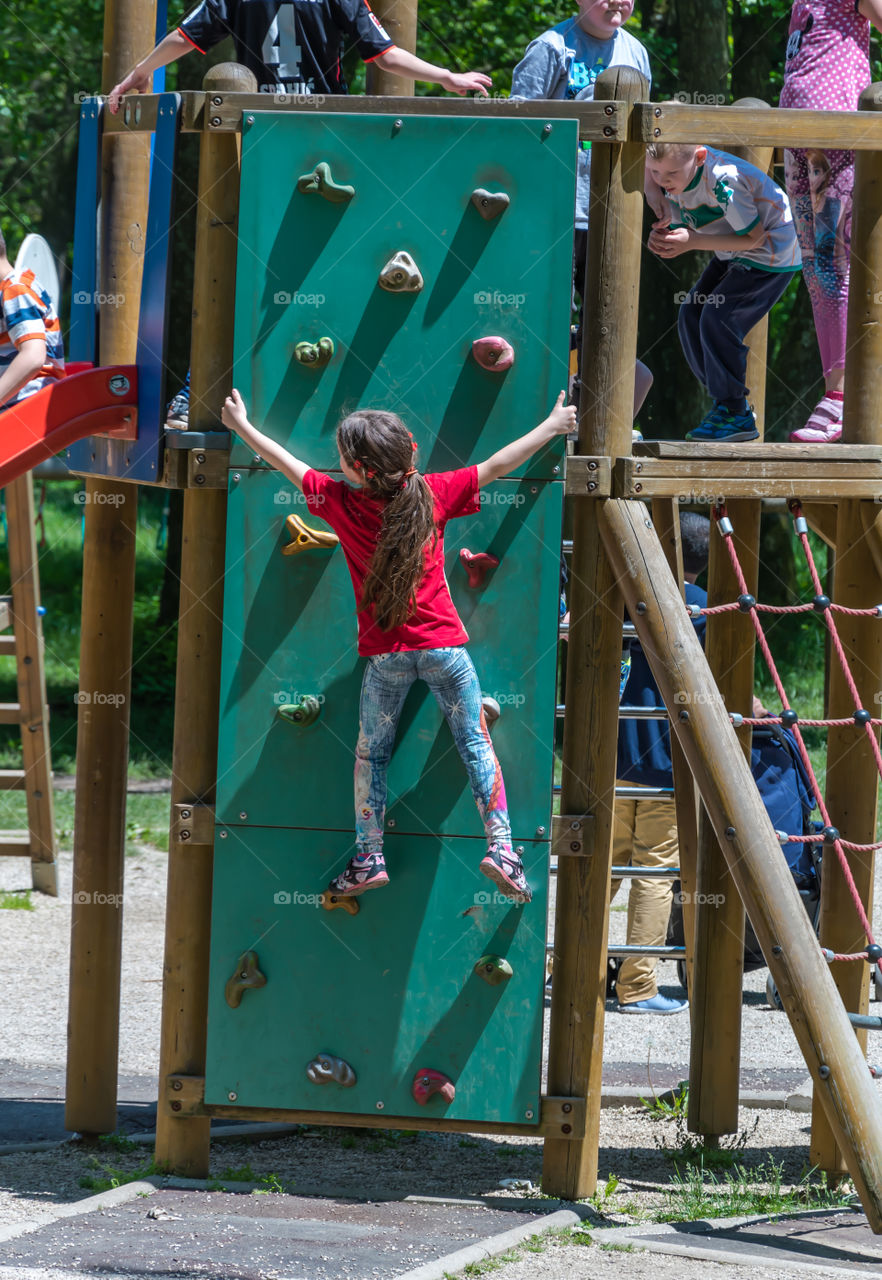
(451, 676)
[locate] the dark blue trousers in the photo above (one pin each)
(722, 306)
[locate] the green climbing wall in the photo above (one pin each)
(393, 989)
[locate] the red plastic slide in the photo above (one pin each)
(86, 402)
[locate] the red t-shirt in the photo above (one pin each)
(356, 518)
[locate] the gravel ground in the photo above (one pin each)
(633, 1145)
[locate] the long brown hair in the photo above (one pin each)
(379, 446)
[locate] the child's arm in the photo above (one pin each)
(25, 365)
(140, 77)
(561, 420)
(667, 242)
(235, 418)
(872, 11)
(401, 63)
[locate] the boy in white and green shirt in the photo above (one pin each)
(710, 200)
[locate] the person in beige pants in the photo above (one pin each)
(645, 830)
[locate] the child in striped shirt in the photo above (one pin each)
(31, 347)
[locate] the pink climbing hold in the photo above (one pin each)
(427, 1083)
(494, 354)
(477, 565)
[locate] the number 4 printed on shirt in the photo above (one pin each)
(280, 47)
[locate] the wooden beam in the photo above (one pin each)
(732, 127)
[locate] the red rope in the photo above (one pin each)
(839, 845)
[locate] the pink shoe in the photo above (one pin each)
(824, 425)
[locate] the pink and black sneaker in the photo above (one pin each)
(360, 875)
(506, 870)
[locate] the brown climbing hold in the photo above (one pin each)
(306, 538)
(490, 204)
(477, 565)
(333, 901)
(246, 977)
(401, 274)
(493, 353)
(427, 1082)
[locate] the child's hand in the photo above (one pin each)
(562, 418)
(234, 415)
(467, 82)
(667, 242)
(135, 82)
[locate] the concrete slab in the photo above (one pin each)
(250, 1237)
(837, 1241)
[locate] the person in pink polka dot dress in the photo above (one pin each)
(827, 67)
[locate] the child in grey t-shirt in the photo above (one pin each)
(564, 63)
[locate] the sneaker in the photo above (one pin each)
(360, 875)
(178, 416)
(824, 425)
(721, 425)
(636, 435)
(506, 870)
(657, 1004)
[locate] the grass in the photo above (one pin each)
(109, 1177)
(147, 822)
(741, 1192)
(60, 564)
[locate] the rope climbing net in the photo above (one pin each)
(861, 719)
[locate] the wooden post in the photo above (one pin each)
(578, 991)
(106, 633)
(399, 18)
(30, 670)
(852, 780)
(716, 995)
(182, 1144)
(745, 833)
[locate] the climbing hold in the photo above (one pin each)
(490, 204)
(746, 603)
(401, 274)
(305, 538)
(302, 713)
(494, 354)
(789, 717)
(477, 565)
(830, 834)
(246, 977)
(491, 710)
(426, 1083)
(333, 901)
(326, 1069)
(494, 970)
(315, 355)
(320, 182)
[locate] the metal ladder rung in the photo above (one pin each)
(632, 793)
(634, 873)
(622, 953)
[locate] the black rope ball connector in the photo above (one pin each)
(746, 603)
(789, 717)
(874, 952)
(862, 716)
(821, 604)
(830, 834)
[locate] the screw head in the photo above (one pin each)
(391, 822)
(556, 470)
(380, 1106)
(232, 1095)
(176, 1084)
(540, 831)
(185, 813)
(528, 1114)
(243, 816)
(236, 477)
(176, 1106)
(223, 835)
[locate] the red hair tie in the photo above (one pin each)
(407, 475)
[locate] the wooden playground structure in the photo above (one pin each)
(625, 554)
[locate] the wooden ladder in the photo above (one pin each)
(19, 610)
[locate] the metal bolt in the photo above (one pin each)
(566, 1128)
(200, 458)
(556, 470)
(391, 822)
(217, 101)
(567, 1108)
(731, 833)
(200, 479)
(575, 826)
(184, 835)
(638, 488)
(657, 112)
(249, 119)
(533, 488)
(528, 1114)
(592, 466)
(684, 715)
(777, 951)
(656, 133)
(519, 849)
(608, 111)
(638, 466)
(236, 477)
(177, 1085)
(608, 131)
(185, 813)
(257, 458)
(232, 1095)
(215, 121)
(242, 816)
(540, 831)
(823, 1071)
(591, 486)
(176, 1106)
(547, 129)
(223, 835)
(575, 846)
(641, 606)
(380, 1106)
(398, 124)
